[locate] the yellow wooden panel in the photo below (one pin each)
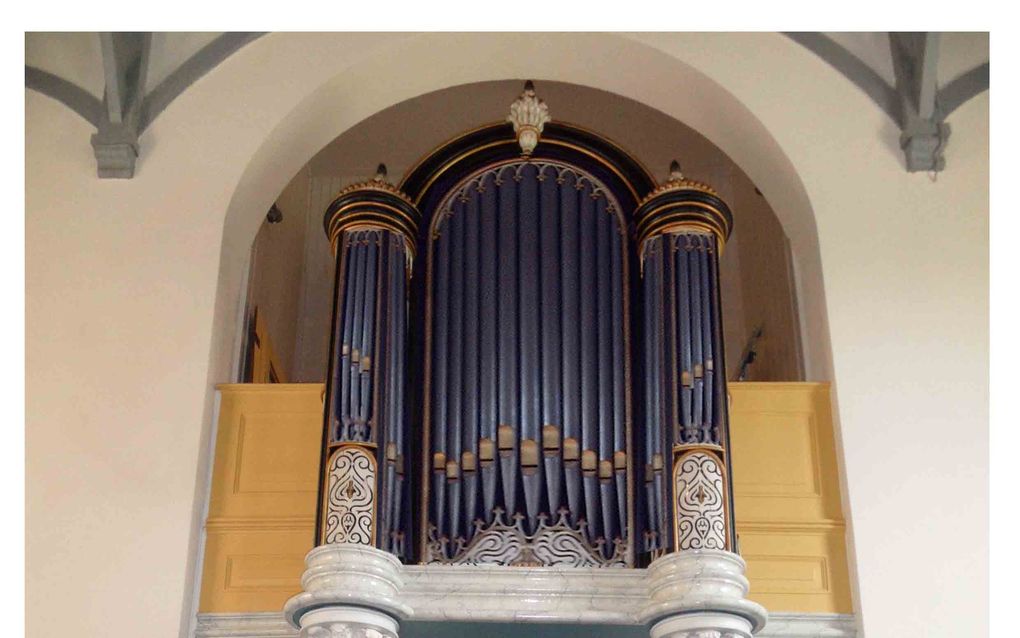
(267, 451)
(250, 570)
(262, 506)
(790, 524)
(784, 460)
(793, 569)
(789, 519)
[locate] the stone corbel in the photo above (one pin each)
(127, 107)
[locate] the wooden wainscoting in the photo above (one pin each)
(262, 510)
(262, 504)
(790, 525)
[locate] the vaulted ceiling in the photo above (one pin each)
(120, 82)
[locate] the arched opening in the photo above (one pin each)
(801, 225)
(292, 280)
(471, 441)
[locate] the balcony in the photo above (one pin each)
(261, 520)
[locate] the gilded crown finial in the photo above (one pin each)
(380, 173)
(529, 115)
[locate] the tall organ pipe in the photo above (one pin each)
(571, 331)
(605, 366)
(345, 308)
(619, 365)
(509, 415)
(693, 290)
(357, 349)
(455, 382)
(488, 356)
(589, 359)
(552, 407)
(441, 395)
(529, 292)
(469, 409)
(707, 323)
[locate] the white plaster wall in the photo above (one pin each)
(133, 294)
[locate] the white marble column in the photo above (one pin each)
(700, 594)
(350, 591)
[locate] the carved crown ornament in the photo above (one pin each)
(529, 115)
(678, 181)
(378, 183)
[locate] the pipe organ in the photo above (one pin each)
(526, 370)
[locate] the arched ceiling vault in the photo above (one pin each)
(901, 72)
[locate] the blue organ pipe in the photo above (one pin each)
(571, 348)
(658, 418)
(470, 498)
(453, 496)
(660, 524)
(571, 307)
(651, 260)
(604, 303)
(606, 490)
(552, 406)
(588, 326)
(618, 367)
(589, 351)
(508, 370)
(356, 333)
(380, 410)
(489, 361)
(681, 274)
(455, 350)
(591, 503)
(489, 391)
(394, 341)
(353, 298)
(455, 339)
(619, 358)
(707, 322)
(651, 535)
(440, 393)
(368, 307)
(529, 308)
(341, 377)
(469, 409)
(552, 409)
(621, 502)
(697, 352)
(394, 373)
(365, 370)
(399, 283)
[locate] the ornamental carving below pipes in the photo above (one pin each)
(529, 115)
